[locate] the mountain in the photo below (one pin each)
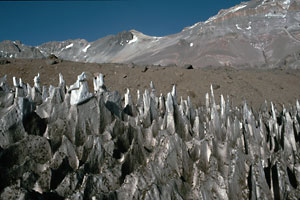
(257, 33)
(15, 49)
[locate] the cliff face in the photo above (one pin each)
(257, 33)
(67, 143)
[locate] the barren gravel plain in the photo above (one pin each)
(281, 86)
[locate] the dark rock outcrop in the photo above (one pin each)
(4, 61)
(188, 66)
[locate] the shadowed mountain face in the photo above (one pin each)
(258, 34)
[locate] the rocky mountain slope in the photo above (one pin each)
(257, 33)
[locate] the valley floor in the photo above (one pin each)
(282, 86)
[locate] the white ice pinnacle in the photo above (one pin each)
(99, 83)
(37, 82)
(79, 90)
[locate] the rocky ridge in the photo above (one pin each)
(255, 34)
(67, 143)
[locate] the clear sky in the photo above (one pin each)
(36, 22)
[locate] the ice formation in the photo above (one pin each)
(62, 143)
(99, 83)
(79, 90)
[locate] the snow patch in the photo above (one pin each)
(286, 2)
(249, 26)
(191, 44)
(257, 46)
(86, 48)
(234, 9)
(156, 39)
(69, 46)
(271, 14)
(210, 19)
(238, 27)
(134, 39)
(193, 26)
(237, 8)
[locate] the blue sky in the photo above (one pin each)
(36, 22)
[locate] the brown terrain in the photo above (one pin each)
(281, 86)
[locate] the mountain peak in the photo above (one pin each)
(257, 33)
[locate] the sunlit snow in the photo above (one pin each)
(86, 48)
(191, 44)
(225, 13)
(134, 39)
(249, 26)
(210, 19)
(193, 26)
(275, 15)
(69, 46)
(237, 8)
(287, 2)
(238, 27)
